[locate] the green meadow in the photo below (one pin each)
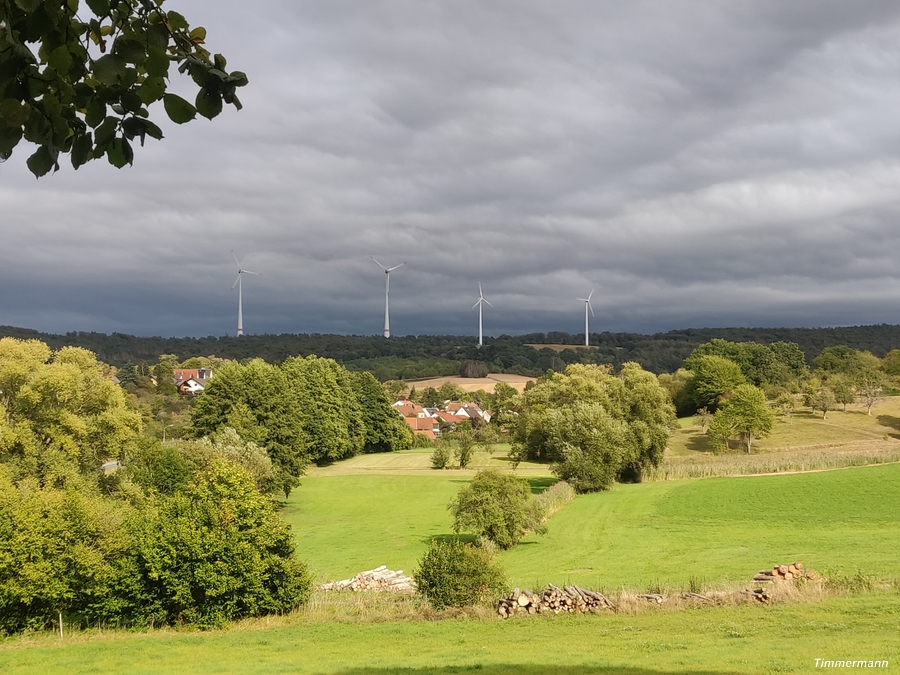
(716, 530)
(669, 535)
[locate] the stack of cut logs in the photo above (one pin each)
(551, 599)
(379, 579)
(787, 573)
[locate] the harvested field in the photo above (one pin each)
(488, 383)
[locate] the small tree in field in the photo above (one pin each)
(842, 388)
(702, 419)
(496, 506)
(821, 399)
(746, 413)
(869, 386)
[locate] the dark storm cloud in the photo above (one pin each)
(698, 163)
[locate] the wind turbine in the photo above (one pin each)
(237, 282)
(387, 292)
(587, 306)
(480, 306)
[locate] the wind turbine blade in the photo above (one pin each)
(256, 274)
(235, 259)
(590, 295)
(591, 308)
(379, 264)
(480, 292)
(582, 299)
(489, 304)
(394, 267)
(236, 281)
(476, 304)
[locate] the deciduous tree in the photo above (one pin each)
(81, 80)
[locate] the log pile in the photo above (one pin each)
(552, 599)
(379, 579)
(787, 573)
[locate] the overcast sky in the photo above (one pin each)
(697, 163)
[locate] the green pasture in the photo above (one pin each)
(713, 530)
(784, 638)
(805, 429)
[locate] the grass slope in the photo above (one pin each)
(715, 530)
(747, 639)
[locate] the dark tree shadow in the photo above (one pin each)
(465, 538)
(538, 485)
(529, 669)
(891, 422)
(699, 443)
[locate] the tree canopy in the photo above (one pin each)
(80, 80)
(594, 426)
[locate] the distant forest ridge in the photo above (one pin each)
(413, 357)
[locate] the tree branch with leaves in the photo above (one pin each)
(80, 81)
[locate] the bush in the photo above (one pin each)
(217, 552)
(498, 507)
(454, 574)
(440, 458)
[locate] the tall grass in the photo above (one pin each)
(554, 498)
(814, 458)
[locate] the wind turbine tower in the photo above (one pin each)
(587, 306)
(237, 282)
(480, 306)
(387, 293)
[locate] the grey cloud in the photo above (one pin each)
(699, 164)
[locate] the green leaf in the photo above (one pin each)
(99, 7)
(41, 162)
(157, 63)
(120, 153)
(9, 138)
(176, 21)
(105, 132)
(152, 90)
(60, 60)
(131, 51)
(219, 61)
(12, 112)
(152, 130)
(131, 101)
(109, 69)
(158, 36)
(96, 112)
(178, 110)
(238, 79)
(209, 103)
(199, 33)
(81, 149)
(29, 6)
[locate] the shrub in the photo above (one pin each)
(454, 574)
(440, 458)
(553, 498)
(217, 552)
(496, 506)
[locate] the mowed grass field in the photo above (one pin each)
(749, 639)
(669, 535)
(718, 530)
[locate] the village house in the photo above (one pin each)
(191, 381)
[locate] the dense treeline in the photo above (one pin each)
(100, 523)
(413, 357)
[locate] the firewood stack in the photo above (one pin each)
(787, 573)
(552, 599)
(379, 579)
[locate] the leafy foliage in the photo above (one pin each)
(84, 87)
(746, 413)
(454, 574)
(217, 552)
(715, 377)
(595, 427)
(497, 507)
(62, 415)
